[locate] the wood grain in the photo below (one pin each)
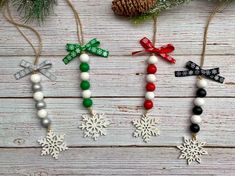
(118, 76)
(20, 127)
(118, 89)
(129, 161)
(185, 31)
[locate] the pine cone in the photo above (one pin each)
(130, 8)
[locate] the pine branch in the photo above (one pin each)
(32, 10)
(2, 2)
(161, 5)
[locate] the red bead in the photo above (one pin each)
(150, 87)
(148, 104)
(152, 69)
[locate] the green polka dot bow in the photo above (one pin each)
(91, 47)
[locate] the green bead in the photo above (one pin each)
(84, 67)
(87, 102)
(85, 85)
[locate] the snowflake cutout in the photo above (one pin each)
(94, 126)
(192, 150)
(145, 128)
(52, 144)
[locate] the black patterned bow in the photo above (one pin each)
(195, 69)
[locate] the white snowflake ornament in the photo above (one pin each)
(52, 144)
(145, 128)
(191, 150)
(94, 126)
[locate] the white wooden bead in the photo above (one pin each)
(149, 95)
(195, 119)
(151, 78)
(84, 58)
(38, 96)
(86, 94)
(199, 101)
(85, 76)
(35, 78)
(152, 60)
(201, 83)
(42, 113)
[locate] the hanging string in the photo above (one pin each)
(80, 36)
(7, 14)
(220, 7)
(154, 30)
(78, 23)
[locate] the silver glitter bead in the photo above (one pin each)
(36, 87)
(46, 122)
(40, 105)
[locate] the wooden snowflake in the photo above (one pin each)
(145, 128)
(52, 144)
(94, 126)
(191, 150)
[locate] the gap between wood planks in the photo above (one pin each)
(120, 146)
(125, 55)
(110, 97)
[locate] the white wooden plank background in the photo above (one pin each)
(117, 86)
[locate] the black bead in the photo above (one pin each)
(195, 128)
(197, 110)
(201, 93)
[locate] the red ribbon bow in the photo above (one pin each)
(162, 51)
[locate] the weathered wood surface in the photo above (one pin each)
(182, 26)
(21, 128)
(117, 86)
(129, 161)
(118, 76)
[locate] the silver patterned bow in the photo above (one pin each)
(30, 68)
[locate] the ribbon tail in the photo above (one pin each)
(216, 78)
(45, 64)
(71, 47)
(98, 51)
(22, 73)
(49, 75)
(146, 43)
(137, 52)
(25, 64)
(185, 73)
(168, 58)
(67, 59)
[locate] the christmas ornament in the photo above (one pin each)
(52, 144)
(146, 126)
(192, 149)
(32, 10)
(93, 124)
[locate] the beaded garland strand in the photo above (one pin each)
(52, 144)
(146, 126)
(192, 149)
(93, 125)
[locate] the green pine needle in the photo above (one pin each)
(34, 10)
(2, 2)
(161, 5)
